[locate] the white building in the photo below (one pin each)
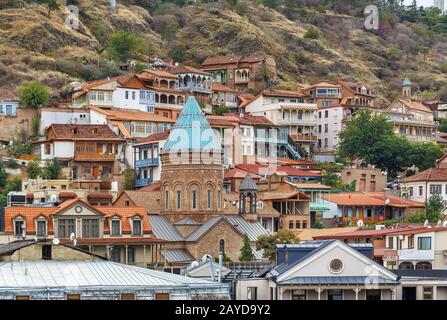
(9, 103)
(288, 108)
(51, 116)
(329, 124)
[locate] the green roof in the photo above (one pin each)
(192, 131)
(406, 82)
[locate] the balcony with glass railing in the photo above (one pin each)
(141, 182)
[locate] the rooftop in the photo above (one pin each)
(6, 95)
(432, 174)
(131, 115)
(81, 131)
(370, 199)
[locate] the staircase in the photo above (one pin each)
(292, 149)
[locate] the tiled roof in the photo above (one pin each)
(6, 95)
(221, 88)
(97, 195)
(191, 131)
(83, 131)
(238, 174)
(233, 59)
(156, 137)
(30, 214)
(66, 194)
(150, 73)
(268, 170)
(370, 199)
(125, 213)
(148, 200)
(180, 69)
(154, 186)
(322, 84)
(414, 105)
(432, 174)
(131, 115)
(283, 93)
(222, 121)
(311, 234)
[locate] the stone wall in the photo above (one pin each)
(9, 124)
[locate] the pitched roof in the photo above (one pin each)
(163, 229)
(177, 256)
(131, 115)
(311, 234)
(283, 93)
(82, 132)
(156, 137)
(6, 95)
(414, 105)
(150, 73)
(323, 84)
(222, 60)
(432, 174)
(220, 87)
(269, 170)
(238, 174)
(248, 184)
(149, 200)
(187, 222)
(187, 69)
(370, 199)
(191, 131)
(125, 213)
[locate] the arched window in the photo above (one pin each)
(179, 198)
(194, 199)
(209, 200)
(406, 265)
(423, 265)
(222, 246)
(166, 199)
(218, 199)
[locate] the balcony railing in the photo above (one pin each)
(194, 87)
(142, 182)
(93, 156)
(327, 95)
(169, 105)
(303, 137)
(147, 162)
(241, 80)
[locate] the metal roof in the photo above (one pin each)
(187, 222)
(421, 273)
(31, 275)
(9, 248)
(163, 229)
(331, 280)
(252, 229)
(177, 255)
(191, 131)
(203, 229)
(248, 184)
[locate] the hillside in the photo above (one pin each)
(35, 46)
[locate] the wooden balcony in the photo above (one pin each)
(93, 156)
(366, 220)
(303, 137)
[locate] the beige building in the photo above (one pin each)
(367, 179)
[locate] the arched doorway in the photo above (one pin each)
(425, 265)
(406, 265)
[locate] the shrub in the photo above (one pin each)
(12, 163)
(312, 33)
(178, 52)
(19, 148)
(33, 170)
(34, 94)
(122, 45)
(52, 169)
(444, 68)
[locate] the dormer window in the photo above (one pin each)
(95, 131)
(19, 227)
(41, 224)
(136, 227)
(116, 227)
(75, 131)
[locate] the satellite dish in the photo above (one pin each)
(72, 236)
(360, 223)
(206, 257)
(439, 223)
(35, 239)
(194, 264)
(444, 224)
(75, 242)
(426, 223)
(387, 201)
(56, 241)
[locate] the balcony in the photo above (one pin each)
(320, 205)
(241, 80)
(366, 220)
(169, 106)
(142, 182)
(303, 137)
(93, 156)
(194, 88)
(295, 121)
(415, 255)
(147, 162)
(328, 95)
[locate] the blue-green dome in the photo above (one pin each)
(406, 82)
(191, 131)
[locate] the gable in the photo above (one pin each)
(354, 264)
(78, 209)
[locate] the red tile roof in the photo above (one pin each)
(131, 115)
(221, 88)
(187, 69)
(82, 132)
(239, 174)
(125, 213)
(432, 174)
(156, 137)
(67, 195)
(370, 199)
(414, 105)
(222, 60)
(6, 95)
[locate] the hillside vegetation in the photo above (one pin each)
(310, 41)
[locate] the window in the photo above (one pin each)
(290, 224)
(19, 227)
(410, 191)
(127, 296)
(130, 255)
(46, 252)
(319, 128)
(298, 294)
(327, 103)
(326, 142)
(335, 294)
(90, 228)
(41, 228)
(427, 293)
(127, 203)
(222, 246)
(326, 128)
(126, 94)
(179, 196)
(194, 199)
(304, 224)
(326, 114)
(421, 191)
(424, 243)
(116, 227)
(336, 266)
(142, 95)
(166, 199)
(209, 199)
(66, 227)
(390, 242)
(298, 224)
(47, 148)
(218, 199)
(115, 255)
(136, 223)
(435, 188)
(133, 95)
(410, 242)
(252, 293)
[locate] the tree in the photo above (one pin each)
(13, 185)
(443, 125)
(139, 67)
(51, 5)
(3, 176)
(129, 179)
(178, 52)
(424, 154)
(435, 207)
(34, 94)
(33, 169)
(52, 169)
(220, 110)
(246, 252)
(267, 243)
(122, 45)
(169, 32)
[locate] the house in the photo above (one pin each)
(324, 94)
(146, 158)
(356, 95)
(122, 234)
(413, 120)
(421, 284)
(292, 174)
(224, 96)
(366, 177)
(291, 109)
(89, 151)
(9, 103)
(49, 116)
(322, 270)
(370, 207)
(62, 272)
(421, 186)
(241, 72)
(123, 92)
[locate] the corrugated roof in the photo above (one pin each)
(13, 246)
(163, 229)
(203, 229)
(88, 274)
(187, 222)
(177, 256)
(252, 229)
(191, 131)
